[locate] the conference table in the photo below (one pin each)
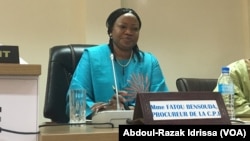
(88, 132)
(78, 133)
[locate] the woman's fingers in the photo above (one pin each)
(112, 104)
(129, 96)
(123, 93)
(120, 97)
(106, 106)
(99, 106)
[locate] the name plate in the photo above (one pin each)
(9, 54)
(180, 108)
(184, 109)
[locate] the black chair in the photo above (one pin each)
(62, 62)
(195, 84)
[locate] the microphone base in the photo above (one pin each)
(115, 117)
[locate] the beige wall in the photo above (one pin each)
(191, 38)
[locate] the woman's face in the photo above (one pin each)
(125, 32)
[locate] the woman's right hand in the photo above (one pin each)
(112, 104)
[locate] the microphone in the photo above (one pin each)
(113, 117)
(116, 88)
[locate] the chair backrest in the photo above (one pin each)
(196, 84)
(62, 62)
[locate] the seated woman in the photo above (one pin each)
(120, 59)
(239, 72)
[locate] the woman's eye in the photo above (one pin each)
(135, 29)
(122, 27)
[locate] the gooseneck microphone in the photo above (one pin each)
(116, 89)
(115, 117)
